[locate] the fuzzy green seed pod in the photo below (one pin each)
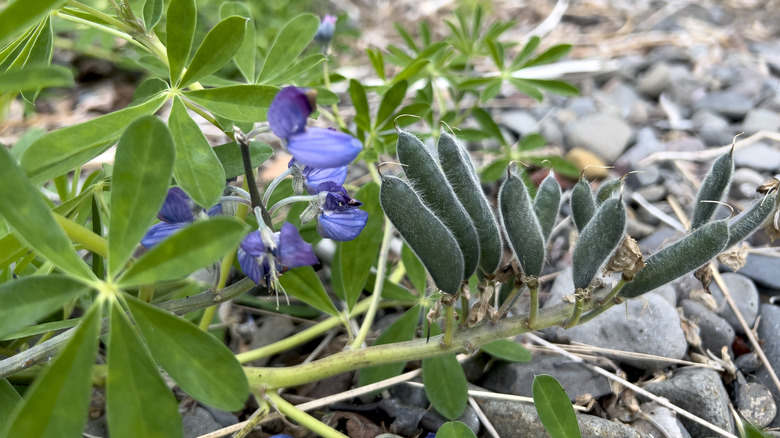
(680, 258)
(598, 241)
(583, 204)
(743, 224)
(430, 183)
(432, 242)
(608, 189)
(461, 175)
(713, 189)
(521, 225)
(547, 204)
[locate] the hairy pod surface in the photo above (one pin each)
(743, 224)
(713, 189)
(583, 204)
(547, 204)
(521, 225)
(680, 258)
(608, 190)
(430, 183)
(598, 241)
(428, 237)
(459, 171)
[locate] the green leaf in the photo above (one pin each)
(524, 54)
(390, 101)
(300, 68)
(488, 125)
(245, 57)
(410, 71)
(35, 78)
(148, 89)
(559, 165)
(230, 156)
(201, 364)
(139, 402)
(152, 12)
(216, 50)
(390, 290)
(243, 103)
(197, 168)
(752, 431)
(496, 53)
(21, 14)
(10, 400)
(40, 54)
(289, 43)
(62, 150)
(455, 429)
(142, 172)
(415, 270)
(358, 255)
(402, 329)
(304, 284)
(525, 86)
(41, 328)
(193, 247)
(358, 95)
(445, 385)
(554, 408)
(24, 209)
(552, 54)
(29, 299)
(57, 403)
(507, 350)
(377, 61)
(558, 87)
(494, 171)
(531, 142)
(179, 30)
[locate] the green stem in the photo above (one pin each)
(379, 283)
(449, 324)
(533, 312)
(509, 300)
(292, 199)
(197, 110)
(83, 236)
(574, 319)
(106, 29)
(605, 303)
(464, 304)
(146, 293)
(275, 183)
(208, 316)
(334, 107)
(463, 341)
(304, 419)
(124, 27)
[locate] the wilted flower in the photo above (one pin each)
(315, 147)
(177, 211)
(263, 254)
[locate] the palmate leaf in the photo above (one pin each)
(139, 403)
(18, 15)
(202, 365)
(554, 408)
(23, 208)
(56, 405)
(243, 103)
(291, 41)
(216, 50)
(142, 172)
(30, 298)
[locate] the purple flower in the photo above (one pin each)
(263, 255)
(310, 178)
(339, 217)
(325, 31)
(315, 147)
(177, 211)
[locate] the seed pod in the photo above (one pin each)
(426, 235)
(434, 190)
(583, 204)
(547, 203)
(713, 189)
(464, 181)
(743, 224)
(608, 189)
(598, 241)
(680, 258)
(521, 225)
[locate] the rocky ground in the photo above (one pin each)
(665, 84)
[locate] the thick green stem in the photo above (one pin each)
(449, 324)
(378, 285)
(304, 419)
(533, 312)
(83, 236)
(106, 29)
(464, 341)
(574, 319)
(605, 303)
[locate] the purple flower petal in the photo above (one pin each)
(253, 244)
(215, 210)
(158, 232)
(288, 112)
(251, 266)
(315, 177)
(177, 207)
(293, 250)
(342, 224)
(323, 148)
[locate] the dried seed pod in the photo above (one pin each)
(547, 204)
(434, 190)
(583, 203)
(713, 189)
(680, 258)
(432, 242)
(598, 241)
(608, 190)
(458, 169)
(743, 224)
(521, 225)
(627, 259)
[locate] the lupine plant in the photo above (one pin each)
(96, 267)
